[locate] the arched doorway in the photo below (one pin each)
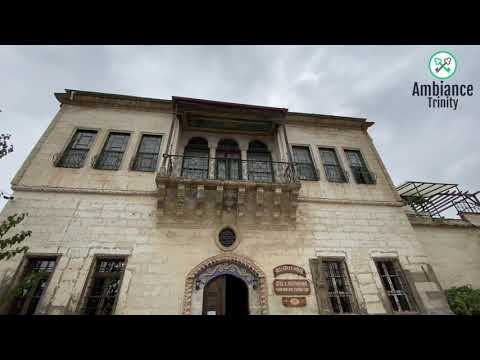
(228, 163)
(225, 295)
(259, 162)
(240, 267)
(196, 159)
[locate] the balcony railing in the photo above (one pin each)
(228, 169)
(70, 159)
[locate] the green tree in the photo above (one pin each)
(464, 300)
(10, 244)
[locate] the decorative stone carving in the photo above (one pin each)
(259, 202)
(219, 200)
(243, 263)
(180, 199)
(241, 198)
(162, 194)
(277, 200)
(200, 200)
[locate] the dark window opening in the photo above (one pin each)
(77, 151)
(196, 159)
(112, 154)
(395, 286)
(260, 167)
(339, 288)
(32, 285)
(104, 286)
(333, 171)
(228, 161)
(359, 169)
(147, 155)
(304, 163)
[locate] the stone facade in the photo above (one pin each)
(82, 213)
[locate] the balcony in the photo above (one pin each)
(197, 185)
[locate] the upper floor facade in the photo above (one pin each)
(190, 150)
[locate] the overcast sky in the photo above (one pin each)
(415, 142)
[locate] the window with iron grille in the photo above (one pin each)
(259, 162)
(196, 159)
(147, 155)
(32, 285)
(77, 151)
(359, 169)
(112, 154)
(304, 163)
(333, 286)
(395, 285)
(104, 286)
(333, 170)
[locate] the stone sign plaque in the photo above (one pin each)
(294, 301)
(289, 269)
(291, 287)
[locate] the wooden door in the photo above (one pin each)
(214, 296)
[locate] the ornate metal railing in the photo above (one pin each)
(70, 159)
(363, 176)
(228, 169)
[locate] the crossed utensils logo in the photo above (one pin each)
(442, 65)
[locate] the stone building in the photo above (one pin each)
(189, 206)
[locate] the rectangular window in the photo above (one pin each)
(331, 165)
(395, 285)
(147, 155)
(303, 163)
(77, 151)
(359, 169)
(112, 154)
(333, 286)
(104, 286)
(32, 284)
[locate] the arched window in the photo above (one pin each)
(259, 162)
(228, 160)
(196, 159)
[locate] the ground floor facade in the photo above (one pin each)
(336, 258)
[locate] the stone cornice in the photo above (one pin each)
(349, 202)
(51, 189)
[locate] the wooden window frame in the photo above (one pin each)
(59, 157)
(340, 164)
(366, 166)
(316, 175)
(20, 275)
(137, 152)
(96, 160)
(81, 309)
(407, 288)
(321, 286)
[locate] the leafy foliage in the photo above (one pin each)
(464, 300)
(5, 148)
(7, 244)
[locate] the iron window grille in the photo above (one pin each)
(333, 171)
(76, 153)
(333, 287)
(147, 155)
(395, 285)
(228, 164)
(196, 159)
(104, 286)
(112, 154)
(339, 288)
(359, 169)
(304, 164)
(259, 163)
(32, 285)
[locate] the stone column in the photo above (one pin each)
(244, 164)
(211, 169)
